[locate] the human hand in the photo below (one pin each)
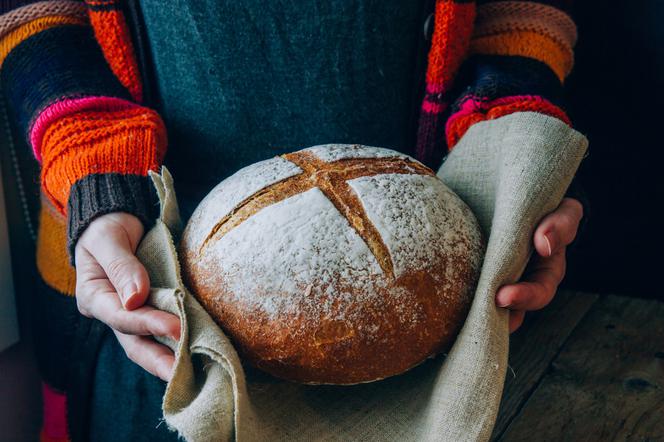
(112, 286)
(546, 268)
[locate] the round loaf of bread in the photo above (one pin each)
(336, 264)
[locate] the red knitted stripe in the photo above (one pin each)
(453, 27)
(475, 110)
(113, 35)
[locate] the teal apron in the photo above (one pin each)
(241, 81)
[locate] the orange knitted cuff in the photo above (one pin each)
(130, 141)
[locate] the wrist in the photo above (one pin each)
(100, 194)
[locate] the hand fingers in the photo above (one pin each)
(97, 298)
(145, 320)
(115, 255)
(558, 229)
(152, 356)
(537, 287)
(516, 319)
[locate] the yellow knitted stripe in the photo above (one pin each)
(27, 30)
(527, 44)
(52, 259)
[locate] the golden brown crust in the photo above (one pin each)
(340, 345)
(310, 348)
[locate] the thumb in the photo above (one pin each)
(112, 240)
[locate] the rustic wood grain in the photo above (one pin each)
(534, 346)
(607, 383)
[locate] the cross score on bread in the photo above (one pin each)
(332, 179)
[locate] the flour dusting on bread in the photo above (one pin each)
(298, 286)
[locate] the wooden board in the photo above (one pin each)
(607, 383)
(535, 345)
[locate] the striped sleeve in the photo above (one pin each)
(77, 102)
(519, 56)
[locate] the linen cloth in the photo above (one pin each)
(511, 171)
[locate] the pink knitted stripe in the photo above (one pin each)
(434, 88)
(433, 108)
(70, 106)
(55, 413)
(510, 16)
(16, 17)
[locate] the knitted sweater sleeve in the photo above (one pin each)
(76, 99)
(519, 56)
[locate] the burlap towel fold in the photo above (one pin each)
(511, 171)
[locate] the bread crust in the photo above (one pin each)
(346, 326)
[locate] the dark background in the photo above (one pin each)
(615, 98)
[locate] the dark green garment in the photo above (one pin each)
(241, 81)
(125, 404)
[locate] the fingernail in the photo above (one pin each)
(174, 332)
(128, 292)
(502, 302)
(548, 244)
(166, 370)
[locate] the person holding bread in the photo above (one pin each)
(104, 91)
